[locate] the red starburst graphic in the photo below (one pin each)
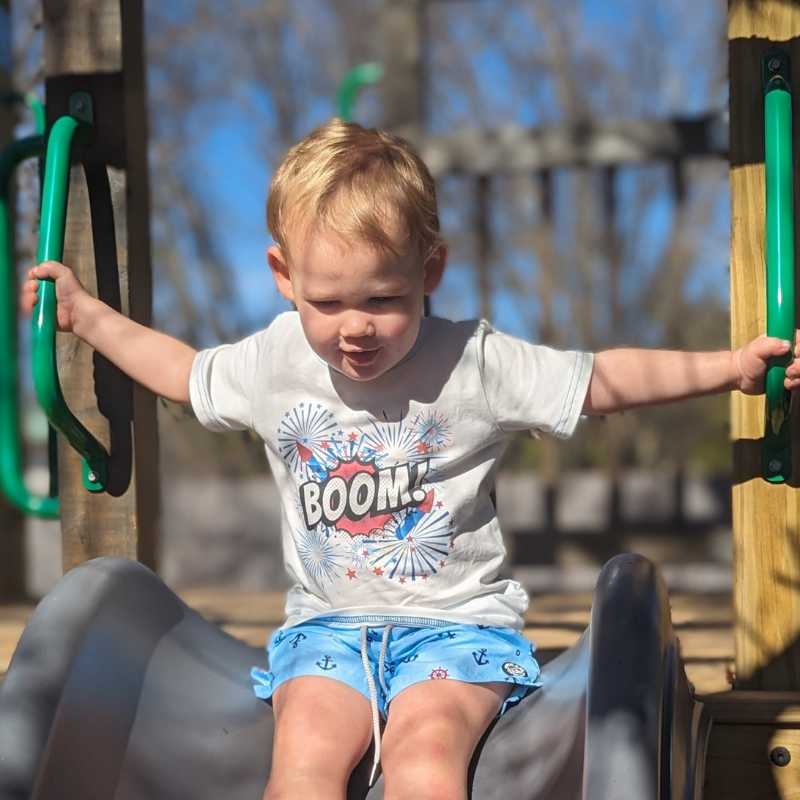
(366, 525)
(438, 674)
(378, 571)
(351, 573)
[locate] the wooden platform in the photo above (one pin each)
(554, 622)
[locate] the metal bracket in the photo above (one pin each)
(81, 107)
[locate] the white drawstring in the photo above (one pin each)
(373, 692)
(382, 657)
(373, 704)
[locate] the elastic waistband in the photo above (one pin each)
(379, 620)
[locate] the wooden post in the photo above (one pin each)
(402, 33)
(484, 249)
(12, 551)
(403, 75)
(96, 46)
(766, 518)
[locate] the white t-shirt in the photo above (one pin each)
(385, 484)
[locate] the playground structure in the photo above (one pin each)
(111, 638)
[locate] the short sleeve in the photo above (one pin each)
(532, 387)
(221, 384)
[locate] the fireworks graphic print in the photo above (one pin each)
(432, 431)
(364, 495)
(319, 556)
(393, 443)
(417, 554)
(309, 440)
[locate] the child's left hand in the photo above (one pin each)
(751, 362)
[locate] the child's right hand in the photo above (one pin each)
(69, 292)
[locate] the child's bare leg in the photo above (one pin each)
(322, 729)
(431, 732)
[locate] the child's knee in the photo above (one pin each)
(425, 778)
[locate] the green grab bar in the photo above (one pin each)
(352, 83)
(40, 125)
(55, 191)
(12, 481)
(39, 114)
(777, 445)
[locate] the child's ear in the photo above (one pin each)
(280, 272)
(434, 267)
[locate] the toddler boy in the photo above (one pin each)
(383, 430)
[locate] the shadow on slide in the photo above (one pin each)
(118, 690)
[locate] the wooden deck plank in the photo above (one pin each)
(554, 622)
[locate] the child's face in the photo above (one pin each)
(360, 308)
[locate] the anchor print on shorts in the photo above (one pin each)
(326, 663)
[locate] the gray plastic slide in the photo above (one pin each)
(119, 691)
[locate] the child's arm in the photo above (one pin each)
(626, 378)
(153, 359)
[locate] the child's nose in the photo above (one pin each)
(356, 325)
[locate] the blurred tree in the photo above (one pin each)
(565, 270)
(254, 76)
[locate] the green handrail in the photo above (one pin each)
(777, 451)
(39, 113)
(40, 124)
(55, 190)
(352, 83)
(11, 472)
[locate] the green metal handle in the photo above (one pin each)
(352, 83)
(777, 452)
(39, 115)
(12, 482)
(55, 191)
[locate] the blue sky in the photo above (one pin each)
(227, 155)
(235, 179)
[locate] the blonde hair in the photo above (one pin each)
(359, 183)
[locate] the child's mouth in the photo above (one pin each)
(361, 358)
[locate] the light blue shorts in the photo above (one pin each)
(399, 656)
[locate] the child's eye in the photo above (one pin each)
(382, 300)
(324, 304)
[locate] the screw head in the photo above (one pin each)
(92, 477)
(775, 465)
(774, 64)
(780, 756)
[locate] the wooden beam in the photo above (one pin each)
(96, 46)
(766, 517)
(514, 148)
